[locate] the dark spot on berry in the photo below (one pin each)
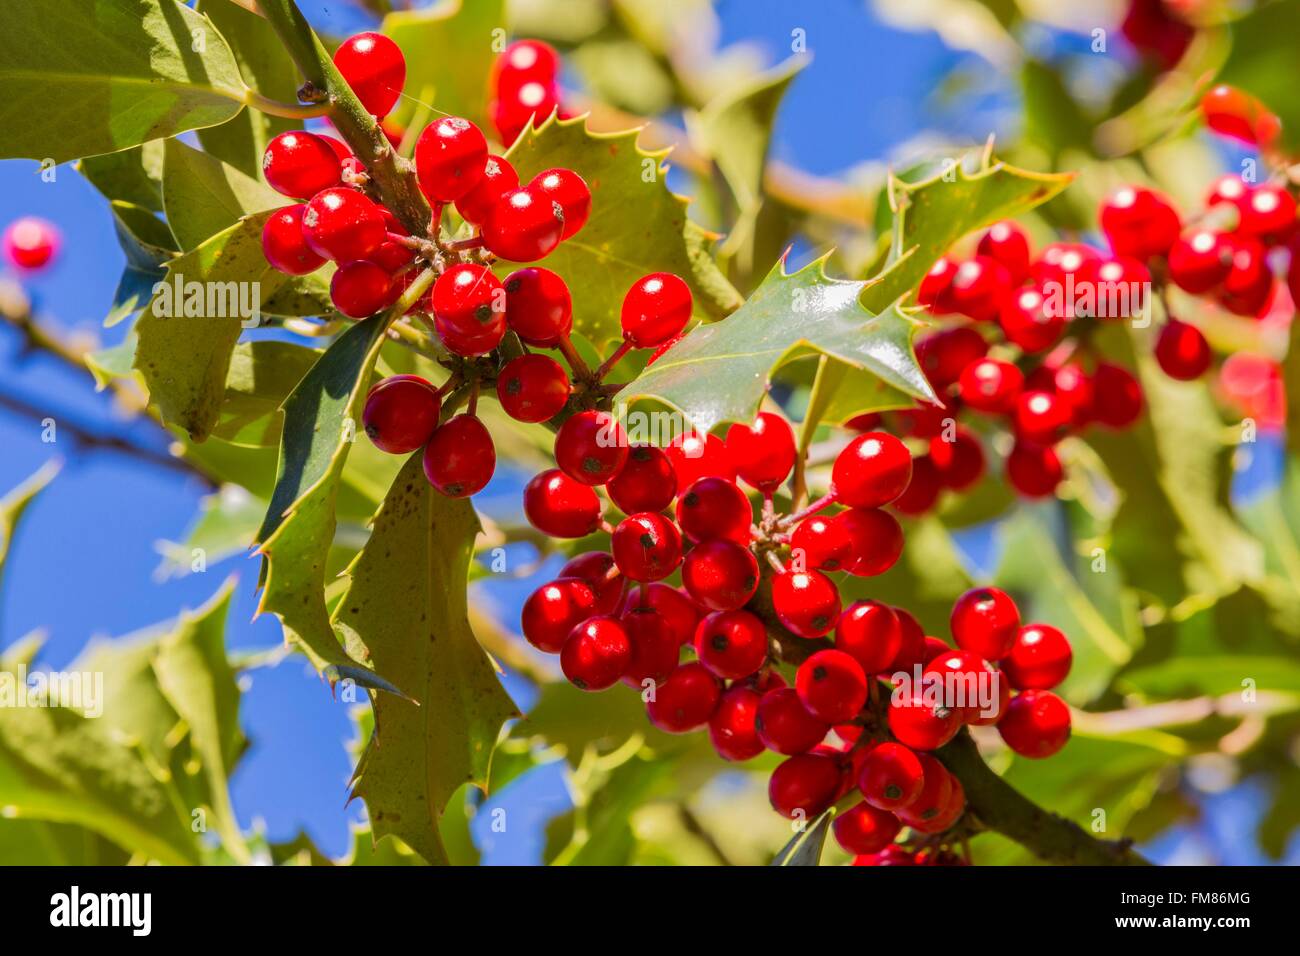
(718, 642)
(751, 582)
(820, 621)
(484, 314)
(929, 813)
(514, 386)
(691, 499)
(893, 791)
(591, 465)
(647, 541)
(819, 673)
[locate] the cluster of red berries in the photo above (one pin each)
(524, 87)
(612, 616)
(31, 243)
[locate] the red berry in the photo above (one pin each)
(283, 243)
(763, 452)
(469, 309)
(533, 388)
(300, 164)
(1027, 321)
(524, 61)
(538, 306)
(686, 700)
(913, 650)
(696, 457)
(891, 776)
(679, 613)
(1182, 351)
(945, 353)
(1036, 724)
(921, 723)
(361, 288)
(570, 192)
(1034, 470)
(347, 160)
(720, 574)
(832, 686)
(892, 855)
(1117, 396)
(401, 413)
(1269, 213)
(1200, 261)
(807, 603)
(922, 491)
(596, 654)
(591, 447)
(959, 676)
(460, 457)
(552, 612)
(865, 829)
(1152, 28)
(656, 308)
(374, 67)
(731, 728)
(991, 385)
(1240, 116)
(645, 483)
(597, 569)
(1039, 659)
(647, 547)
(343, 225)
(731, 644)
(558, 506)
(532, 102)
(804, 785)
(1041, 417)
(1058, 262)
(450, 158)
(1248, 286)
(822, 543)
(784, 724)
(30, 243)
(936, 281)
(876, 540)
(1006, 243)
(944, 819)
(989, 712)
(870, 633)
(871, 471)
(978, 290)
(960, 462)
(499, 178)
(654, 647)
(1139, 223)
(985, 621)
(935, 795)
(715, 508)
(524, 226)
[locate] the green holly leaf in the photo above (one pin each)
(131, 175)
(261, 376)
(203, 196)
(15, 504)
(266, 67)
(82, 77)
(406, 603)
(720, 371)
(637, 226)
(805, 848)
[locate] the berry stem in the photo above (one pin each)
(825, 501)
(581, 370)
(287, 110)
(774, 561)
(610, 362)
(461, 245)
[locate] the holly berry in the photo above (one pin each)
(591, 447)
(1240, 116)
(558, 506)
(764, 452)
(832, 686)
(959, 674)
(731, 644)
(949, 814)
(569, 191)
(460, 458)
(922, 490)
(978, 290)
(1027, 321)
(469, 309)
(891, 776)
(1006, 243)
(361, 288)
(865, 829)
(1117, 396)
(1041, 417)
(785, 725)
(935, 795)
(598, 570)
(654, 646)
(871, 471)
(647, 547)
(30, 243)
(807, 603)
(679, 613)
(922, 724)
(400, 413)
(450, 158)
(686, 700)
(1036, 724)
(822, 542)
(1039, 659)
(655, 309)
(283, 243)
(913, 650)
(804, 785)
(732, 728)
(524, 61)
(720, 574)
(991, 385)
(596, 654)
(875, 540)
(552, 612)
(946, 353)
(1268, 212)
(524, 226)
(538, 306)
(533, 388)
(374, 67)
(695, 456)
(645, 482)
(870, 633)
(1034, 470)
(499, 178)
(342, 225)
(960, 462)
(936, 281)
(892, 855)
(1139, 222)
(715, 508)
(532, 102)
(1182, 351)
(1200, 261)
(985, 621)
(300, 164)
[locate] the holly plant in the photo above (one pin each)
(901, 511)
